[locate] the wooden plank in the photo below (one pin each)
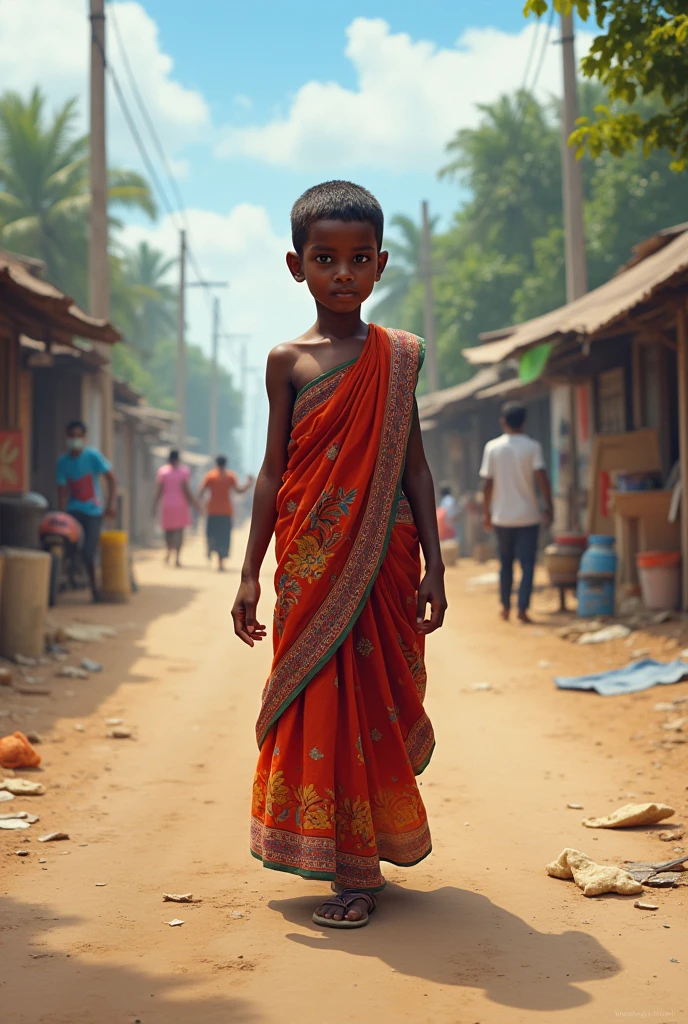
(682, 360)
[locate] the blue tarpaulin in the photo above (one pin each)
(639, 675)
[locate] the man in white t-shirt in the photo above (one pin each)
(513, 471)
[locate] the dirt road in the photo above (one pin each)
(477, 933)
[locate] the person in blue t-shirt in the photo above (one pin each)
(80, 493)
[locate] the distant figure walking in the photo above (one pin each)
(176, 500)
(79, 474)
(513, 470)
(219, 484)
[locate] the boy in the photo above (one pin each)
(347, 491)
(79, 492)
(220, 483)
(513, 470)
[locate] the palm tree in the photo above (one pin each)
(45, 190)
(404, 269)
(149, 300)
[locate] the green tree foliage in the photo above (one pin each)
(641, 51)
(404, 270)
(161, 392)
(502, 259)
(45, 191)
(144, 302)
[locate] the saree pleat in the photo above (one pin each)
(342, 730)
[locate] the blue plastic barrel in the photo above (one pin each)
(595, 597)
(599, 559)
(596, 590)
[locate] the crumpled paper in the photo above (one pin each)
(632, 814)
(593, 879)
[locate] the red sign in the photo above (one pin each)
(11, 462)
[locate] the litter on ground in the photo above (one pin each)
(632, 678)
(17, 752)
(593, 879)
(88, 632)
(22, 787)
(605, 635)
(71, 672)
(630, 815)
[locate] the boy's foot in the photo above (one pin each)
(505, 613)
(524, 617)
(350, 909)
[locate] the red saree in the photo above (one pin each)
(342, 731)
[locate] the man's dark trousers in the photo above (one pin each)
(517, 542)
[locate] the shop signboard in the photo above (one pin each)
(11, 462)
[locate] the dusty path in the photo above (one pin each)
(477, 933)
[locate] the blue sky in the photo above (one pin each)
(265, 51)
(256, 101)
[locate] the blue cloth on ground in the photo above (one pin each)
(639, 675)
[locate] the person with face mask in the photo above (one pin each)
(80, 493)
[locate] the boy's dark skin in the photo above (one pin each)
(340, 263)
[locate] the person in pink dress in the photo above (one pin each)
(175, 499)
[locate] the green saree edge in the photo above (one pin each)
(324, 376)
(318, 876)
(426, 762)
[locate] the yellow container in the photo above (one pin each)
(115, 578)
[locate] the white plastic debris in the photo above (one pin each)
(603, 636)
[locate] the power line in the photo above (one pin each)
(143, 151)
(150, 124)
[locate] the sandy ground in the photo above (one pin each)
(477, 934)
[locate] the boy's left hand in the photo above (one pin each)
(431, 592)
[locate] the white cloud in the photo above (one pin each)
(240, 247)
(411, 97)
(262, 302)
(47, 43)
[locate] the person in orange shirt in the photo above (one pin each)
(219, 483)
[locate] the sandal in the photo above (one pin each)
(343, 902)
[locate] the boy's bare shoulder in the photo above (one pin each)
(283, 357)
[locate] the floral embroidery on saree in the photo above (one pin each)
(333, 616)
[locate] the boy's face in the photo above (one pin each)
(340, 263)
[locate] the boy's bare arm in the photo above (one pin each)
(419, 489)
(268, 483)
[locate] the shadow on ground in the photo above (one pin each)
(450, 936)
(76, 698)
(39, 982)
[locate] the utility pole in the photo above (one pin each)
(98, 269)
(576, 264)
(574, 233)
(214, 372)
(214, 383)
(181, 346)
(430, 340)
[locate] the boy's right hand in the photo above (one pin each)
(244, 613)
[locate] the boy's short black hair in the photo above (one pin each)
(76, 425)
(514, 414)
(221, 461)
(335, 200)
(174, 455)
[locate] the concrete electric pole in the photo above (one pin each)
(181, 346)
(98, 268)
(214, 382)
(429, 328)
(572, 177)
(574, 233)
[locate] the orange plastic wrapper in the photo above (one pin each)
(17, 752)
